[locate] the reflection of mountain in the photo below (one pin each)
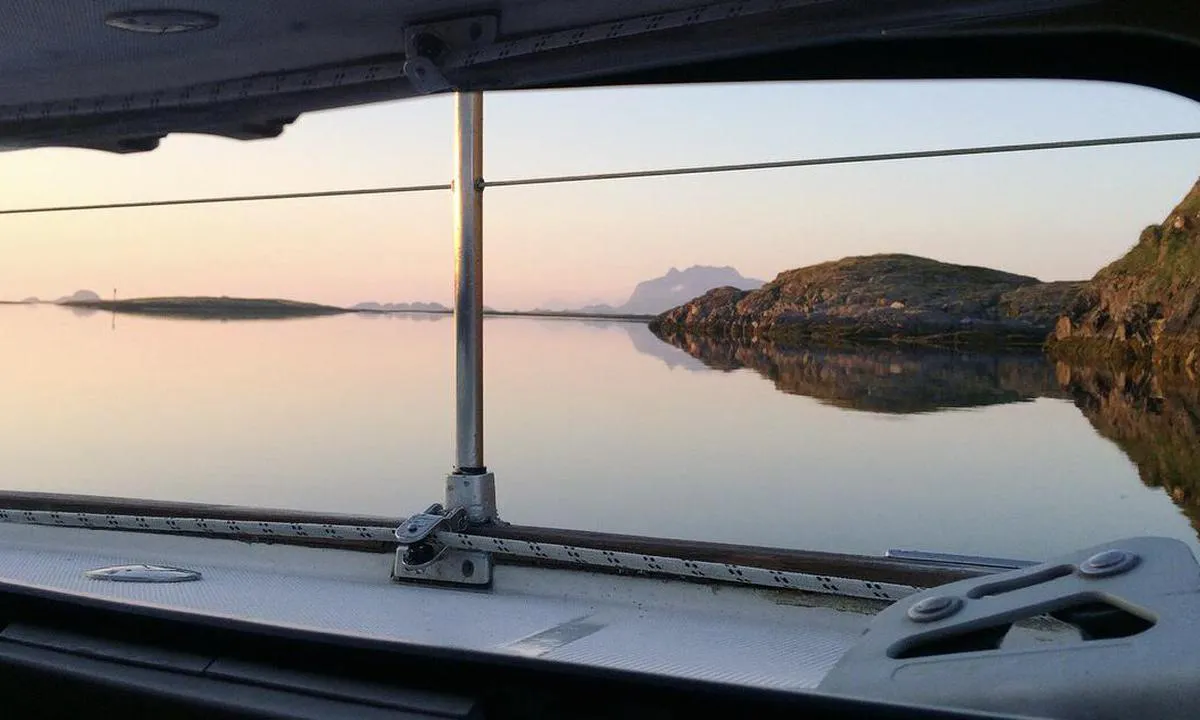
(1153, 417)
(645, 343)
(417, 317)
(885, 379)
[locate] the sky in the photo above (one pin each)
(1056, 215)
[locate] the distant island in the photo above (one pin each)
(79, 297)
(1143, 308)
(232, 308)
(374, 307)
(208, 308)
(893, 297)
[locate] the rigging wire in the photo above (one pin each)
(662, 172)
(851, 159)
(229, 199)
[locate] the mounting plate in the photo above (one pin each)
(451, 567)
(1130, 613)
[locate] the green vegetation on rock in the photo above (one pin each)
(1145, 307)
(895, 297)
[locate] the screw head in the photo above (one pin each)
(934, 608)
(1108, 563)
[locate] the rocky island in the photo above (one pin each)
(209, 308)
(1145, 307)
(891, 297)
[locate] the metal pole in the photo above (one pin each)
(469, 485)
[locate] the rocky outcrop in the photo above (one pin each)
(884, 379)
(1145, 307)
(901, 298)
(1153, 416)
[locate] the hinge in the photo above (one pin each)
(421, 557)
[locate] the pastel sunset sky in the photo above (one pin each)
(1057, 214)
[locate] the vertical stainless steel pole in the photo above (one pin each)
(470, 485)
(468, 280)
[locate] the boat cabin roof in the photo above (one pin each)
(119, 77)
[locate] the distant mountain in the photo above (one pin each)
(78, 297)
(401, 307)
(652, 297)
(31, 300)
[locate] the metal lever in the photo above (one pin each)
(421, 557)
(422, 525)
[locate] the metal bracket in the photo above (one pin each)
(422, 558)
(1108, 632)
(427, 47)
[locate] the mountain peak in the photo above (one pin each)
(678, 286)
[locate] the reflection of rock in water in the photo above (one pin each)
(1153, 417)
(646, 343)
(885, 379)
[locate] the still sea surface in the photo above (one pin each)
(595, 426)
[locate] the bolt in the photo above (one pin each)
(1106, 559)
(413, 528)
(934, 608)
(428, 45)
(1108, 563)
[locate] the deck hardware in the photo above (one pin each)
(1108, 563)
(422, 557)
(161, 22)
(422, 525)
(934, 608)
(953, 560)
(427, 47)
(143, 574)
(1047, 637)
(470, 488)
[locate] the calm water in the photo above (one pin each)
(594, 426)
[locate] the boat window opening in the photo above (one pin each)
(895, 359)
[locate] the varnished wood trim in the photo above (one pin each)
(57, 502)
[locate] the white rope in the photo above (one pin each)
(663, 565)
(582, 556)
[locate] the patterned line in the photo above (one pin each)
(619, 29)
(662, 565)
(206, 94)
(577, 555)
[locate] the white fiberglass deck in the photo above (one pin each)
(724, 633)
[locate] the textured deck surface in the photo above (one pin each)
(730, 634)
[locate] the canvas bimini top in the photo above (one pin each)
(119, 75)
